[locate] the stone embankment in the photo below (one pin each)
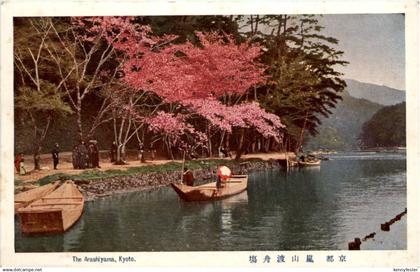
(93, 189)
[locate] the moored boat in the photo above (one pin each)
(232, 186)
(25, 198)
(55, 212)
(293, 163)
(309, 163)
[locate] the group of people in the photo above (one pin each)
(188, 177)
(86, 155)
(20, 160)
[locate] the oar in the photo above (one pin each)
(234, 181)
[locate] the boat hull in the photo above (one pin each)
(25, 198)
(207, 192)
(54, 213)
(306, 164)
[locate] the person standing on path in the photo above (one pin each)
(18, 158)
(83, 155)
(75, 157)
(22, 169)
(95, 154)
(55, 157)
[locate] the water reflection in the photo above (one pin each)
(307, 209)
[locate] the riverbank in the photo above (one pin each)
(115, 179)
(101, 187)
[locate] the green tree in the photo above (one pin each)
(386, 128)
(81, 67)
(37, 100)
(302, 65)
(185, 26)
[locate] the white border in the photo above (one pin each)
(404, 258)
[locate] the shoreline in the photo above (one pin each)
(136, 177)
(98, 188)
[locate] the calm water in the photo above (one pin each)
(309, 209)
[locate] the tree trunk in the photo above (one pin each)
(209, 145)
(120, 159)
(79, 122)
(240, 145)
(227, 141)
(301, 134)
(37, 159)
(267, 144)
(35, 154)
(168, 147)
(39, 141)
(222, 138)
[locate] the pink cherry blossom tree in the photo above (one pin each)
(255, 118)
(245, 116)
(192, 75)
(215, 68)
(129, 106)
(175, 131)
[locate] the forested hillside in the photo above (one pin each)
(341, 130)
(386, 128)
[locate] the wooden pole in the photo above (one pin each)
(182, 170)
(302, 132)
(287, 157)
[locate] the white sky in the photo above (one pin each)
(374, 44)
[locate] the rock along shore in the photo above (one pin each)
(96, 188)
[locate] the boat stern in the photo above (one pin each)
(177, 188)
(34, 222)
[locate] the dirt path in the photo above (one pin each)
(66, 167)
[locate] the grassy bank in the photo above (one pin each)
(168, 167)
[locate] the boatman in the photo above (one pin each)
(188, 177)
(223, 174)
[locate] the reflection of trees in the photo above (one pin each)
(37, 243)
(292, 215)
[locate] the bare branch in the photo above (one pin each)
(19, 59)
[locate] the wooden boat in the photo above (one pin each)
(25, 198)
(208, 191)
(55, 212)
(293, 163)
(309, 163)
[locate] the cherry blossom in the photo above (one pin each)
(246, 115)
(175, 128)
(186, 71)
(267, 124)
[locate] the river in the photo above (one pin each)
(320, 208)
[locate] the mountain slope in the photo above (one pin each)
(378, 94)
(386, 128)
(342, 129)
